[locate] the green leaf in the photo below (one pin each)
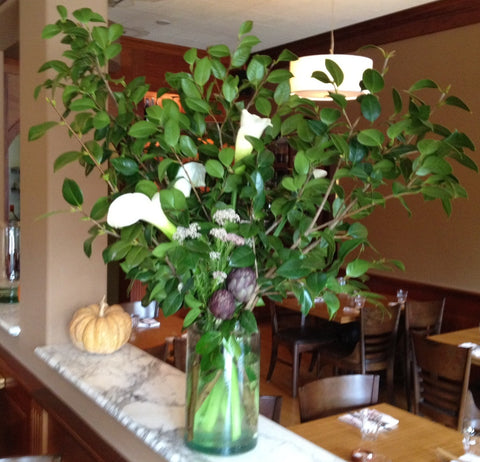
(371, 137)
(62, 11)
(37, 131)
(332, 302)
(72, 193)
(282, 93)
(172, 303)
(245, 28)
(191, 317)
(100, 208)
(373, 80)
(218, 51)
(66, 158)
(255, 71)
(279, 76)
(248, 321)
(125, 165)
(142, 129)
(263, 106)
(50, 30)
(101, 120)
(214, 168)
(424, 83)
(113, 50)
(82, 104)
(208, 342)
(397, 101)
(202, 72)
(357, 268)
(85, 15)
(188, 146)
(172, 132)
(240, 56)
(457, 102)
(226, 156)
(358, 231)
(100, 36)
(115, 31)
(335, 71)
(293, 269)
(301, 163)
(286, 55)
(329, 115)
(242, 257)
(370, 107)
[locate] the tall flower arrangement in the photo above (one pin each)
(172, 173)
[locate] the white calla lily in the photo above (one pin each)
(319, 173)
(129, 208)
(190, 174)
(250, 125)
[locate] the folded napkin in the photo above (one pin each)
(387, 422)
(148, 323)
(469, 458)
(475, 352)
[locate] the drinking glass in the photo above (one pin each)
(471, 436)
(402, 295)
(370, 424)
(359, 301)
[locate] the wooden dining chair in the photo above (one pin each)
(442, 373)
(292, 330)
(271, 406)
(421, 318)
(333, 395)
(180, 352)
(375, 350)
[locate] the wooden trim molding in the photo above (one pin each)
(413, 22)
(461, 306)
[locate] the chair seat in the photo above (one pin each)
(299, 336)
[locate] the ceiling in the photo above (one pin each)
(200, 23)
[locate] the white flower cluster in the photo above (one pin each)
(222, 235)
(222, 217)
(219, 276)
(192, 232)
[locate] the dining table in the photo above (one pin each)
(347, 313)
(413, 439)
(155, 339)
(344, 315)
(468, 337)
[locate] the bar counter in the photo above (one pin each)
(136, 403)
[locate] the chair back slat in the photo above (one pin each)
(422, 318)
(332, 395)
(442, 373)
(379, 336)
(271, 407)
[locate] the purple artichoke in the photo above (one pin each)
(241, 283)
(222, 304)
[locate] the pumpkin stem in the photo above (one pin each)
(103, 306)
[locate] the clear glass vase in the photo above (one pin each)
(222, 394)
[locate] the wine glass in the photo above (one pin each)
(402, 295)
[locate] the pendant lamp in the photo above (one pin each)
(303, 85)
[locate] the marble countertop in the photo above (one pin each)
(147, 396)
(9, 318)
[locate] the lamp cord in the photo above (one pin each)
(332, 39)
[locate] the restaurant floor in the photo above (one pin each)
(281, 382)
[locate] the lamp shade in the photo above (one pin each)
(303, 85)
